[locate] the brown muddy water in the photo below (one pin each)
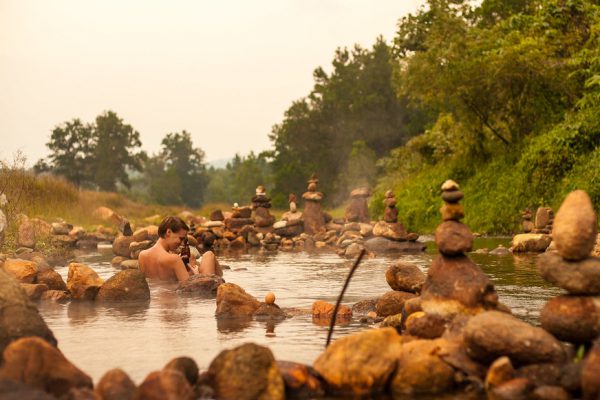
(143, 338)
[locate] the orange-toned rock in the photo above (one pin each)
(34, 290)
(121, 245)
(233, 301)
(300, 380)
(405, 277)
(499, 372)
(34, 362)
(127, 285)
(270, 298)
(52, 279)
(165, 384)
(361, 363)
(575, 226)
(574, 319)
(392, 303)
(323, 311)
(590, 384)
(115, 384)
(22, 270)
(83, 282)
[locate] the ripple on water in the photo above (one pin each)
(142, 338)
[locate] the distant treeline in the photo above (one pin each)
(503, 97)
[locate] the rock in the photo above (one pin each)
(186, 366)
(61, 228)
(528, 226)
(58, 296)
(590, 372)
(22, 270)
(405, 277)
(3, 226)
(358, 209)
(576, 277)
(453, 238)
(383, 245)
(452, 196)
(141, 235)
(361, 363)
(541, 374)
(426, 326)
(83, 282)
(246, 372)
(353, 250)
(493, 334)
(392, 303)
(233, 301)
(301, 381)
(270, 298)
(16, 390)
(449, 186)
(41, 227)
(323, 311)
(269, 311)
(499, 372)
(515, 389)
(127, 285)
(121, 245)
(52, 279)
(575, 226)
(456, 285)
(217, 215)
(18, 315)
(420, 370)
(364, 307)
(165, 384)
(130, 264)
(239, 243)
(530, 242)
(115, 384)
(543, 216)
(136, 247)
(201, 284)
(393, 321)
(34, 291)
(452, 212)
(500, 251)
(263, 218)
(26, 235)
(574, 319)
(33, 361)
(390, 230)
(547, 392)
(63, 241)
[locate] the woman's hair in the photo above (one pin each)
(175, 224)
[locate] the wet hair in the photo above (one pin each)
(175, 224)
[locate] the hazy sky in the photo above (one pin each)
(225, 71)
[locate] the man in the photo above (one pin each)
(158, 262)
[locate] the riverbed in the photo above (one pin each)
(143, 338)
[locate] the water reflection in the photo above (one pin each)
(81, 312)
(238, 324)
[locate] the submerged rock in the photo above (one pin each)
(382, 245)
(530, 242)
(127, 285)
(246, 372)
(493, 334)
(575, 226)
(18, 315)
(52, 279)
(201, 284)
(233, 301)
(322, 310)
(361, 363)
(35, 362)
(83, 282)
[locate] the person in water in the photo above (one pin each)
(159, 261)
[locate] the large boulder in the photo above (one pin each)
(34, 362)
(115, 384)
(453, 238)
(405, 277)
(575, 226)
(233, 301)
(164, 384)
(530, 243)
(22, 270)
(421, 370)
(457, 285)
(574, 319)
(127, 285)
(201, 284)
(576, 277)
(361, 363)
(83, 282)
(493, 334)
(392, 303)
(246, 372)
(18, 315)
(121, 245)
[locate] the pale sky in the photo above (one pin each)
(225, 71)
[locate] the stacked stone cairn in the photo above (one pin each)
(527, 224)
(263, 220)
(291, 223)
(313, 216)
(544, 220)
(358, 209)
(240, 223)
(575, 316)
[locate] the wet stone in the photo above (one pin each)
(576, 277)
(115, 384)
(406, 277)
(575, 226)
(392, 303)
(452, 212)
(453, 238)
(127, 285)
(590, 371)
(452, 196)
(574, 319)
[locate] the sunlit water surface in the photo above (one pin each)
(142, 338)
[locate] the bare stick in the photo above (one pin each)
(339, 300)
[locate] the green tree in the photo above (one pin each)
(113, 151)
(71, 145)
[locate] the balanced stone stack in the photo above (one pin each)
(390, 228)
(527, 224)
(391, 212)
(261, 204)
(291, 223)
(358, 209)
(313, 216)
(454, 283)
(240, 218)
(544, 219)
(574, 317)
